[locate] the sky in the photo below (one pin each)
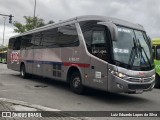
(144, 12)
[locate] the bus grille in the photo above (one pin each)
(131, 79)
(134, 87)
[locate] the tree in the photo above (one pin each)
(30, 23)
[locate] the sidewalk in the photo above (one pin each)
(9, 107)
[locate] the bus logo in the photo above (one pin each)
(15, 57)
(141, 73)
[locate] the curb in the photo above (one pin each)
(39, 107)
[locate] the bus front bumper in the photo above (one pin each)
(118, 85)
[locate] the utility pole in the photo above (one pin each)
(4, 29)
(10, 21)
(34, 9)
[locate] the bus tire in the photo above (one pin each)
(76, 83)
(23, 71)
(157, 81)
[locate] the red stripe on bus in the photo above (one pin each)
(76, 64)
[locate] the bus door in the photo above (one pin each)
(98, 72)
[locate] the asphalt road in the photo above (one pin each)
(57, 95)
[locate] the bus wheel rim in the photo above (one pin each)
(76, 82)
(22, 72)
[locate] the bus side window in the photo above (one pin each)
(88, 39)
(67, 36)
(86, 27)
(36, 39)
(99, 45)
(23, 43)
(28, 41)
(158, 52)
(11, 43)
(17, 43)
(49, 37)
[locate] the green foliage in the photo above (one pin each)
(30, 23)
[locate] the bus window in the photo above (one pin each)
(17, 43)
(86, 27)
(158, 52)
(99, 46)
(23, 43)
(11, 43)
(36, 39)
(49, 38)
(95, 39)
(29, 41)
(68, 36)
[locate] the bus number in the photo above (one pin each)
(74, 59)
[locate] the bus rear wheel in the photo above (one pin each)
(76, 83)
(23, 71)
(157, 81)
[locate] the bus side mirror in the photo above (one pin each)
(112, 28)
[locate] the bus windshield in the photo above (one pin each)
(132, 50)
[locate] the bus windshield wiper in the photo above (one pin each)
(140, 49)
(134, 52)
(137, 51)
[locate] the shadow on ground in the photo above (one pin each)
(113, 98)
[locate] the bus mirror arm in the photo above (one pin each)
(112, 28)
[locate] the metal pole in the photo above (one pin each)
(34, 9)
(4, 30)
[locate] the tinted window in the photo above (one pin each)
(23, 42)
(98, 37)
(95, 38)
(28, 41)
(99, 45)
(17, 43)
(50, 37)
(11, 43)
(88, 38)
(87, 29)
(67, 36)
(36, 39)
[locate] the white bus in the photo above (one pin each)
(94, 51)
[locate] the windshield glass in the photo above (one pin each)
(132, 50)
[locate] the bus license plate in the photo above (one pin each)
(139, 91)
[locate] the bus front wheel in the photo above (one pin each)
(157, 81)
(76, 83)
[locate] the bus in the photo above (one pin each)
(156, 55)
(3, 55)
(100, 52)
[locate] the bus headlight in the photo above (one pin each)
(118, 74)
(121, 75)
(153, 76)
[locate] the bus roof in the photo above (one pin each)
(85, 18)
(156, 41)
